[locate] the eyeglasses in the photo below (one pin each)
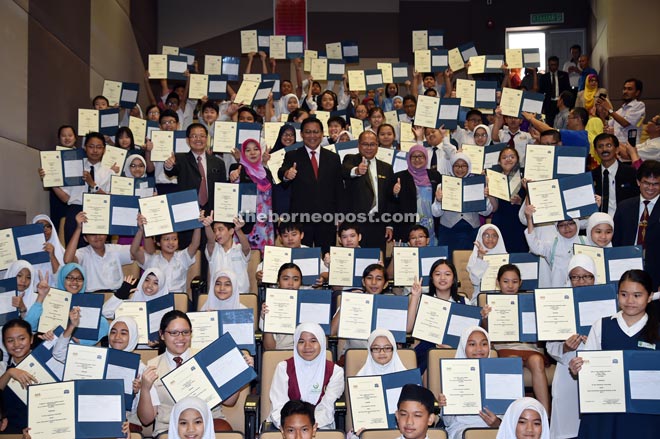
(168, 122)
(381, 349)
(370, 145)
(417, 157)
(288, 134)
(91, 146)
(311, 132)
(185, 333)
(576, 278)
(198, 136)
(137, 165)
(74, 279)
(490, 236)
(171, 103)
(460, 166)
(153, 113)
(649, 184)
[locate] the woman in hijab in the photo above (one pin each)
(489, 241)
(185, 420)
(587, 97)
(251, 169)
(600, 229)
(308, 376)
(414, 193)
(152, 285)
(221, 292)
(482, 135)
(382, 357)
(52, 246)
(524, 419)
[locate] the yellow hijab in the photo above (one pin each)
(589, 92)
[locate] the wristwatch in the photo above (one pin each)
(610, 111)
(95, 189)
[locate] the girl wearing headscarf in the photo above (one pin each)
(482, 135)
(600, 229)
(308, 376)
(285, 105)
(525, 419)
(251, 169)
(382, 357)
(415, 192)
(221, 294)
(489, 241)
(587, 97)
(185, 417)
(474, 343)
(152, 285)
(52, 246)
(459, 230)
(26, 280)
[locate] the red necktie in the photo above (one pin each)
(178, 361)
(203, 194)
(643, 222)
(315, 164)
(512, 143)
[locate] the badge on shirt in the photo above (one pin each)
(645, 345)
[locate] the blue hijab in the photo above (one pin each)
(64, 272)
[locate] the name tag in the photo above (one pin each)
(645, 345)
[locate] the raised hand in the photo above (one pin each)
(291, 173)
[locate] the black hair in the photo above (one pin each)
(649, 168)
(158, 238)
(388, 86)
(243, 109)
(178, 85)
(16, 323)
(297, 407)
(376, 110)
(348, 226)
(454, 286)
(195, 125)
(639, 85)
(337, 119)
(606, 136)
(94, 135)
(129, 133)
(63, 127)
(373, 267)
(568, 98)
(173, 95)
(582, 113)
(146, 112)
(285, 227)
(295, 114)
(506, 268)
(212, 105)
(427, 74)
(650, 332)
(553, 58)
(474, 113)
(386, 125)
(311, 120)
(100, 97)
(409, 98)
(556, 135)
(288, 266)
(430, 92)
(286, 80)
(506, 148)
(166, 320)
(332, 94)
(417, 227)
(576, 46)
(168, 113)
(227, 224)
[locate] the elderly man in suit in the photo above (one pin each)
(369, 184)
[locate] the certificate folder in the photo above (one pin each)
(147, 315)
(362, 313)
(288, 308)
(233, 200)
(400, 72)
(612, 262)
(575, 193)
(527, 263)
(336, 69)
(8, 291)
(544, 162)
(213, 374)
(44, 355)
(83, 362)
(531, 58)
(593, 303)
(230, 66)
(467, 194)
(308, 259)
(175, 212)
(471, 384)
(124, 94)
(35, 364)
(619, 381)
(416, 262)
(441, 322)
(119, 218)
(485, 94)
(86, 409)
(71, 166)
(448, 113)
(104, 121)
(209, 325)
(23, 242)
(374, 399)
(512, 318)
(347, 264)
(229, 135)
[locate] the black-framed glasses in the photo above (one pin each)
(380, 349)
(583, 277)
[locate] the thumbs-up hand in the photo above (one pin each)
(171, 161)
(291, 173)
(397, 187)
(235, 175)
(362, 167)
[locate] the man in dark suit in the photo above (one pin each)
(314, 176)
(614, 181)
(369, 183)
(553, 83)
(637, 220)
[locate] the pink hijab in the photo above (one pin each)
(255, 171)
(420, 175)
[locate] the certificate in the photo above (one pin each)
(7, 248)
(88, 121)
(461, 384)
(597, 254)
(555, 313)
(97, 207)
(356, 315)
(406, 265)
(342, 262)
(386, 68)
(137, 311)
(489, 279)
(226, 202)
(432, 318)
(477, 64)
(114, 156)
(51, 162)
(56, 310)
(157, 66)
(465, 90)
(514, 58)
(156, 210)
(212, 65)
(189, 380)
(249, 41)
(206, 328)
(426, 114)
(452, 193)
(139, 129)
(539, 162)
(422, 61)
(32, 366)
(367, 402)
(278, 47)
(281, 311)
(51, 411)
(163, 145)
(546, 197)
(503, 323)
(122, 185)
(224, 136)
(112, 92)
(274, 258)
(84, 363)
(498, 185)
(199, 86)
(476, 155)
(601, 382)
(510, 102)
(420, 41)
(319, 69)
(333, 50)
(356, 81)
(357, 125)
(308, 57)
(246, 92)
(456, 62)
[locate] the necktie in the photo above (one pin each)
(91, 173)
(643, 221)
(512, 143)
(315, 164)
(203, 194)
(178, 361)
(605, 201)
(370, 182)
(434, 158)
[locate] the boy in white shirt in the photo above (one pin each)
(223, 253)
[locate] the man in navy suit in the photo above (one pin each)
(369, 184)
(314, 175)
(637, 220)
(552, 84)
(614, 181)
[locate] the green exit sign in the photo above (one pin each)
(547, 18)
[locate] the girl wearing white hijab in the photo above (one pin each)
(525, 418)
(308, 376)
(26, 280)
(387, 348)
(600, 229)
(479, 138)
(152, 285)
(474, 343)
(285, 106)
(184, 420)
(223, 284)
(53, 246)
(489, 241)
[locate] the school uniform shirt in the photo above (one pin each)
(234, 260)
(102, 176)
(595, 339)
(461, 136)
(160, 176)
(558, 252)
(649, 150)
(520, 139)
(565, 421)
(450, 219)
(104, 273)
(176, 268)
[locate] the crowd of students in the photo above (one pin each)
(305, 387)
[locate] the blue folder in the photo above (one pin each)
(261, 96)
(318, 297)
(617, 260)
(293, 54)
(274, 77)
(572, 182)
(392, 385)
(338, 63)
(126, 99)
(530, 278)
(494, 59)
(450, 122)
(529, 64)
(94, 430)
(157, 307)
(526, 316)
(234, 317)
(109, 121)
(460, 317)
(180, 144)
(398, 72)
(439, 60)
(604, 297)
(484, 90)
(350, 52)
(344, 148)
(435, 38)
(175, 198)
(299, 255)
(530, 97)
(44, 354)
(467, 50)
(246, 193)
(39, 257)
(247, 130)
(263, 39)
(361, 255)
(8, 290)
(230, 67)
(427, 256)
(571, 152)
(476, 205)
(171, 74)
(217, 88)
(72, 155)
(125, 202)
(390, 302)
(94, 301)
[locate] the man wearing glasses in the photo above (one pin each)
(314, 175)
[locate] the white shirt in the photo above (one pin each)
(102, 176)
(521, 139)
(594, 341)
(203, 156)
(317, 154)
(634, 112)
(461, 135)
(573, 77)
(104, 273)
(651, 205)
(611, 205)
(176, 268)
(649, 150)
(234, 260)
